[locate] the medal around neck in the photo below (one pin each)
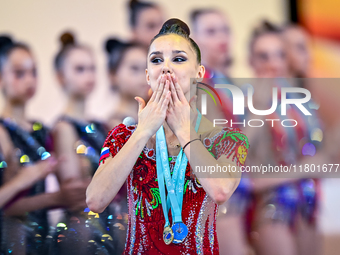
(168, 235)
(180, 231)
(174, 185)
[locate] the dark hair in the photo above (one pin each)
(198, 12)
(136, 7)
(116, 50)
(178, 27)
(7, 46)
(264, 28)
(68, 43)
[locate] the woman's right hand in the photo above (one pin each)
(152, 115)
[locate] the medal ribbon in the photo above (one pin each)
(176, 182)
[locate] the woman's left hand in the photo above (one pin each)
(182, 115)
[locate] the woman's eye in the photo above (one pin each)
(263, 56)
(156, 60)
(80, 69)
(135, 68)
(211, 31)
(151, 25)
(179, 59)
(19, 74)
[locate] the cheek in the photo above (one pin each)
(154, 73)
(154, 86)
(13, 87)
(260, 64)
(75, 80)
(137, 79)
(67, 76)
(184, 81)
(257, 65)
(211, 44)
(124, 77)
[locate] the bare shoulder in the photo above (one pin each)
(64, 135)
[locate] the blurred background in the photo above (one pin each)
(40, 23)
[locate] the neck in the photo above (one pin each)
(167, 130)
(15, 111)
(75, 108)
(170, 137)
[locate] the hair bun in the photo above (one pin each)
(66, 39)
(177, 23)
(113, 44)
(5, 41)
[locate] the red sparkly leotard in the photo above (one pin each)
(146, 219)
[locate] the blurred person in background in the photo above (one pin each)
(297, 51)
(145, 19)
(126, 66)
(285, 212)
(26, 177)
(79, 142)
(24, 143)
(212, 32)
(299, 55)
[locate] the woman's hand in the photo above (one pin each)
(182, 115)
(29, 175)
(152, 116)
(72, 194)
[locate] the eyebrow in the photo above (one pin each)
(174, 51)
(179, 51)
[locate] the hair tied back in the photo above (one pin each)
(174, 24)
(112, 44)
(67, 39)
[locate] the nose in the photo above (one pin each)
(166, 68)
